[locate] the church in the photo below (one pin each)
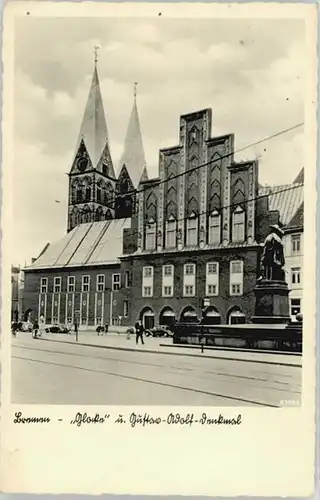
(156, 249)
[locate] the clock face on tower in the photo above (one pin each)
(82, 163)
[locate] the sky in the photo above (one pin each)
(249, 72)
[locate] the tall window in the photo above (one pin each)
(236, 278)
(44, 285)
(147, 291)
(127, 279)
(238, 223)
(57, 284)
(192, 231)
(212, 278)
(296, 244)
(100, 282)
(125, 308)
(167, 291)
(214, 228)
(295, 275)
(85, 283)
(171, 233)
(71, 284)
(116, 282)
(151, 235)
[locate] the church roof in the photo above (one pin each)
(133, 154)
(90, 244)
(93, 128)
(297, 220)
(286, 199)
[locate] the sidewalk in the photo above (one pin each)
(164, 346)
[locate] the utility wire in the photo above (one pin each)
(206, 212)
(159, 182)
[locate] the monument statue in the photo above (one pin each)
(272, 258)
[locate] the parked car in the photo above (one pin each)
(58, 329)
(159, 331)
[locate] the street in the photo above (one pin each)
(58, 373)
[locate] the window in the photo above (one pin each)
(85, 283)
(295, 275)
(115, 282)
(151, 235)
(83, 320)
(189, 291)
(57, 285)
(115, 321)
(171, 230)
(71, 284)
(238, 225)
(236, 277)
(192, 231)
(212, 268)
(295, 307)
(167, 270)
(147, 291)
(100, 283)
(147, 272)
(296, 244)
(211, 289)
(127, 280)
(98, 321)
(44, 285)
(236, 267)
(125, 308)
(189, 269)
(55, 320)
(167, 291)
(69, 320)
(214, 228)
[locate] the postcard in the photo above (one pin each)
(158, 249)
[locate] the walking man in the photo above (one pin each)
(139, 331)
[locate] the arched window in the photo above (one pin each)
(79, 193)
(214, 228)
(192, 230)
(108, 194)
(86, 216)
(88, 193)
(99, 214)
(238, 224)
(104, 169)
(99, 192)
(171, 233)
(151, 235)
(74, 192)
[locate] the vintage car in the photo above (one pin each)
(159, 331)
(57, 329)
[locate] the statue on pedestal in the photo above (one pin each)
(272, 258)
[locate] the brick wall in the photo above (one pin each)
(223, 302)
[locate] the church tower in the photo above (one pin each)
(92, 178)
(132, 168)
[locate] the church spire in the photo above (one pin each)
(133, 154)
(93, 130)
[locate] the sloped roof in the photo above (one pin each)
(93, 130)
(297, 219)
(300, 177)
(133, 156)
(284, 198)
(93, 243)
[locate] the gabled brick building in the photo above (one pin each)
(158, 248)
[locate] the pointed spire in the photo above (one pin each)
(93, 128)
(133, 154)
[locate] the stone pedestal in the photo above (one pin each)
(272, 302)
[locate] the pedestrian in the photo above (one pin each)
(106, 328)
(41, 325)
(35, 329)
(75, 327)
(139, 331)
